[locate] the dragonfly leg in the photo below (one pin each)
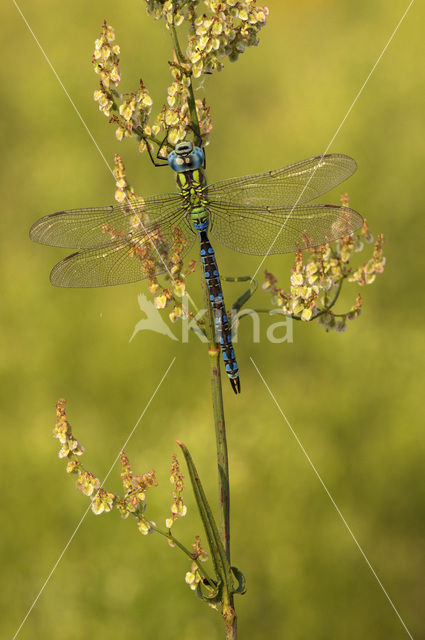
(158, 154)
(155, 164)
(143, 137)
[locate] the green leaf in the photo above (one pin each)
(210, 597)
(241, 580)
(218, 553)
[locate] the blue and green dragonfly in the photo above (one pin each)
(260, 214)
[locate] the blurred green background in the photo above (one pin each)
(355, 400)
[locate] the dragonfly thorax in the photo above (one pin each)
(192, 188)
(186, 157)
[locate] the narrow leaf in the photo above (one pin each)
(218, 553)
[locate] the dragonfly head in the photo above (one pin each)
(186, 157)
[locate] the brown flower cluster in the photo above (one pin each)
(158, 253)
(316, 280)
(194, 577)
(223, 29)
(133, 500)
(178, 508)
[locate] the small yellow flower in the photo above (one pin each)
(72, 466)
(189, 577)
(161, 301)
(144, 526)
(102, 502)
(88, 483)
(297, 279)
(119, 195)
(306, 314)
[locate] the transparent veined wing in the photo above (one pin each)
(128, 258)
(263, 230)
(96, 226)
(296, 183)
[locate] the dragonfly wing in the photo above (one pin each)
(296, 183)
(128, 259)
(96, 226)
(269, 230)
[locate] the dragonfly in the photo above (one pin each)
(260, 214)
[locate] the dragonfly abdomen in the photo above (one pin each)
(222, 326)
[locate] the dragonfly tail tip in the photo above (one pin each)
(236, 385)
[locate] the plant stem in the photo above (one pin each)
(214, 360)
(191, 97)
(228, 610)
(219, 423)
(335, 298)
(230, 619)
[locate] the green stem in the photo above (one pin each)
(230, 617)
(219, 423)
(218, 553)
(142, 136)
(214, 360)
(167, 534)
(335, 298)
(191, 97)
(228, 610)
(320, 313)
